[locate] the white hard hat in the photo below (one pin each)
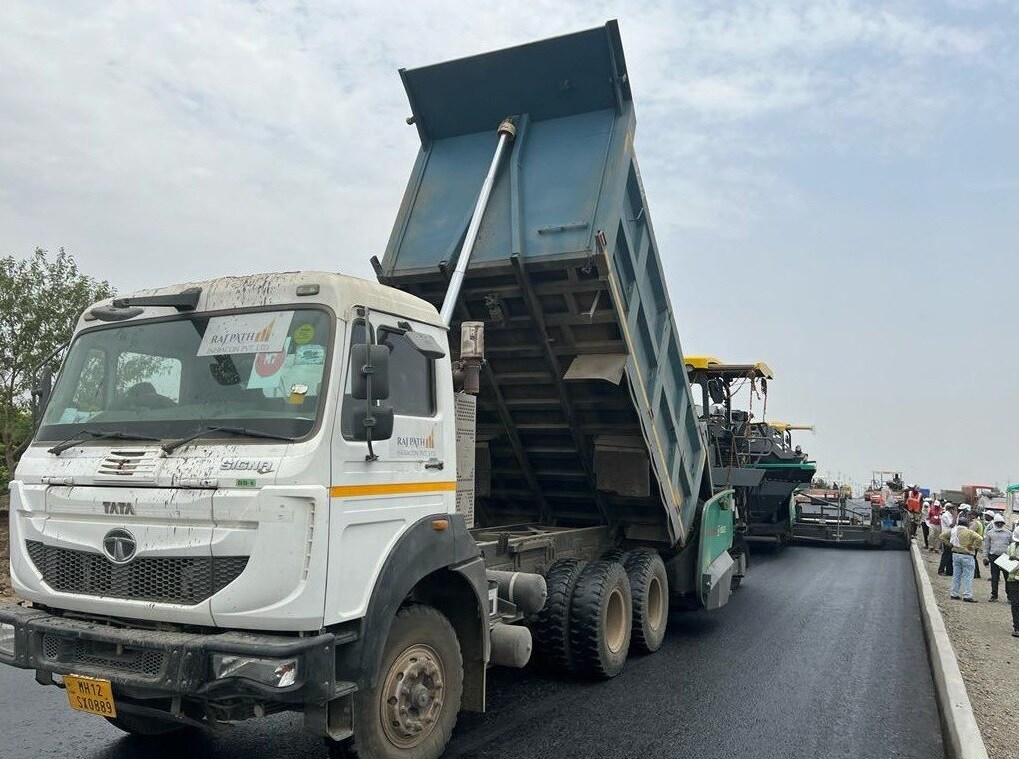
(1015, 534)
(999, 518)
(965, 507)
(937, 502)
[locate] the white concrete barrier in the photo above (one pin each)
(958, 723)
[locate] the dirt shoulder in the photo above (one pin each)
(981, 635)
(6, 594)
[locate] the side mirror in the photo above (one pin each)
(716, 390)
(379, 421)
(41, 392)
(369, 361)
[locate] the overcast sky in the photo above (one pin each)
(845, 175)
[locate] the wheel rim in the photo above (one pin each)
(655, 604)
(412, 696)
(615, 621)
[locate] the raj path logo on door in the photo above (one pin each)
(411, 446)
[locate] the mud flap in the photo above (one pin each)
(713, 559)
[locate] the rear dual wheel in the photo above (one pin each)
(649, 590)
(551, 626)
(600, 620)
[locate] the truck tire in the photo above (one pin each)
(146, 727)
(411, 711)
(614, 554)
(649, 591)
(600, 620)
(551, 626)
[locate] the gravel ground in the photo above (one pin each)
(981, 634)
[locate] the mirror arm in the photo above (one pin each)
(368, 369)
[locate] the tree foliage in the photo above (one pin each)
(41, 298)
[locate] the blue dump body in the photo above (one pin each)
(585, 416)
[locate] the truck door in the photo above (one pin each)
(413, 474)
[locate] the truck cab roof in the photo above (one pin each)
(338, 291)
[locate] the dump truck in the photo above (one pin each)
(309, 492)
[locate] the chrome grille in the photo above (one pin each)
(137, 465)
(185, 580)
(106, 656)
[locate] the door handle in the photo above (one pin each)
(433, 464)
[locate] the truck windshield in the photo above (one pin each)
(264, 370)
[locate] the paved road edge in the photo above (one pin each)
(959, 725)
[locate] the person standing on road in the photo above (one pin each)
(934, 518)
(1012, 583)
(925, 525)
(948, 517)
(965, 544)
(976, 524)
(996, 541)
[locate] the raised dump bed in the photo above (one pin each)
(585, 415)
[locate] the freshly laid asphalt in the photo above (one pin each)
(819, 654)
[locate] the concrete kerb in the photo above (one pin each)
(958, 723)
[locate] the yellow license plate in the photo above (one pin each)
(90, 694)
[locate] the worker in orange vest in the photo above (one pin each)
(913, 502)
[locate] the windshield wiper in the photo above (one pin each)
(96, 435)
(172, 446)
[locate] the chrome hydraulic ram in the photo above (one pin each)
(507, 131)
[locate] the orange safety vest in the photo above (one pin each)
(913, 502)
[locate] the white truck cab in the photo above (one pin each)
(231, 529)
(201, 466)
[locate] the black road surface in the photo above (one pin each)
(820, 654)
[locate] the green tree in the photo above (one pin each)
(41, 298)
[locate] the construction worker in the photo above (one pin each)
(934, 520)
(925, 524)
(977, 526)
(948, 517)
(912, 503)
(996, 540)
(1012, 582)
(965, 543)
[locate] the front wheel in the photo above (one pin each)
(411, 712)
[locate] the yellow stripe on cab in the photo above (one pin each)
(390, 488)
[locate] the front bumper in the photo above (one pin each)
(147, 664)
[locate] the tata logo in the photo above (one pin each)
(118, 507)
(120, 545)
(245, 465)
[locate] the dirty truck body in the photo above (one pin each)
(378, 502)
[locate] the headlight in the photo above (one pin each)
(279, 673)
(6, 639)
